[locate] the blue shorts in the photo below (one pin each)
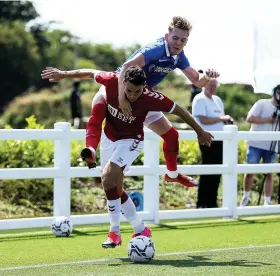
(254, 155)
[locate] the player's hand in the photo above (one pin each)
(52, 74)
(125, 107)
(226, 118)
(205, 138)
(88, 156)
(212, 73)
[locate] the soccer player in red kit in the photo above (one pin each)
(122, 140)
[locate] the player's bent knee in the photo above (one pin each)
(160, 126)
(108, 180)
(111, 175)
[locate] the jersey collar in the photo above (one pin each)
(167, 50)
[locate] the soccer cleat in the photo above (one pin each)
(244, 201)
(113, 240)
(182, 179)
(147, 233)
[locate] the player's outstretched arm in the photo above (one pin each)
(204, 137)
(196, 78)
(55, 75)
(138, 61)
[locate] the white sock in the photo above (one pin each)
(172, 174)
(246, 194)
(114, 210)
(129, 212)
(268, 199)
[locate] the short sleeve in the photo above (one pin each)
(167, 105)
(152, 52)
(158, 102)
(219, 103)
(105, 77)
(256, 109)
(199, 107)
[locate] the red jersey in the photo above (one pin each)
(117, 125)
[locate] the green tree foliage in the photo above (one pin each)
(27, 49)
(48, 107)
(42, 42)
(38, 32)
(19, 60)
(238, 100)
(173, 81)
(85, 63)
(60, 54)
(42, 105)
(17, 10)
(106, 57)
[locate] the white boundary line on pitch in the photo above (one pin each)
(123, 258)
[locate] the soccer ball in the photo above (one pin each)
(141, 249)
(62, 227)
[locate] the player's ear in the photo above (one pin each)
(166, 36)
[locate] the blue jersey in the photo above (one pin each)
(159, 62)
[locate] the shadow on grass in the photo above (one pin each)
(164, 227)
(34, 237)
(238, 222)
(201, 261)
(37, 236)
(161, 227)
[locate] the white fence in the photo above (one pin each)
(62, 174)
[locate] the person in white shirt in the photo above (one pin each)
(208, 110)
(262, 117)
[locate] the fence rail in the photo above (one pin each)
(62, 173)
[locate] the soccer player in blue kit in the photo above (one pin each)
(157, 60)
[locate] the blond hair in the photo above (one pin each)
(180, 23)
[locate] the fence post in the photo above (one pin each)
(62, 160)
(230, 158)
(151, 182)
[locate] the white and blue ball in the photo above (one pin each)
(141, 249)
(62, 226)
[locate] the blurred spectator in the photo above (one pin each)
(208, 110)
(195, 90)
(76, 105)
(262, 117)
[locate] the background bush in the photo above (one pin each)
(50, 106)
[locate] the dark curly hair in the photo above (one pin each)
(135, 75)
